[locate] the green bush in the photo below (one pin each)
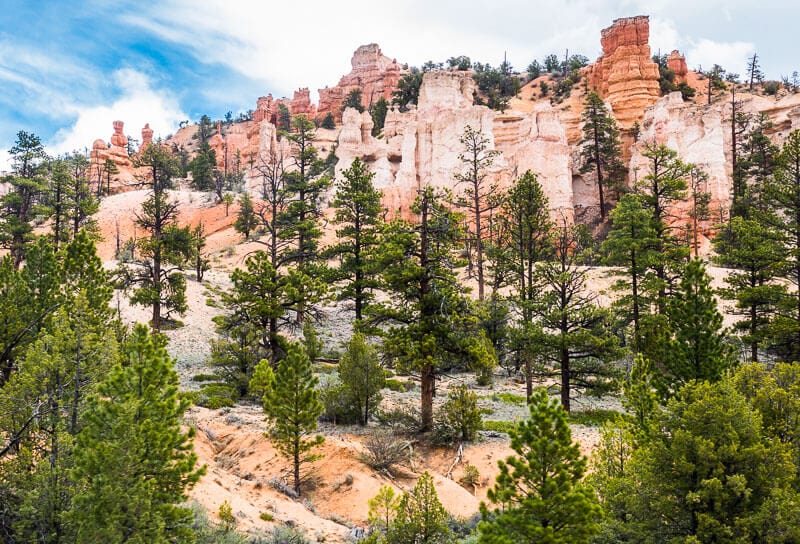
(458, 419)
(393, 384)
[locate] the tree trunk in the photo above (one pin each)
(428, 386)
(565, 381)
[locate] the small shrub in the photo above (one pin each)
(471, 477)
(459, 417)
(226, 516)
(204, 378)
(498, 426)
(401, 420)
(266, 516)
(509, 398)
(384, 451)
(393, 384)
(771, 88)
(285, 535)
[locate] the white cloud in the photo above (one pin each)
(138, 103)
(5, 161)
(664, 36)
(730, 55)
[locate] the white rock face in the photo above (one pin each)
(700, 135)
(420, 147)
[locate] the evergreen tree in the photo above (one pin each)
(708, 474)
(479, 197)
(353, 100)
(601, 148)
(58, 196)
(783, 193)
(359, 217)
(660, 190)
(631, 243)
(754, 74)
(427, 314)
(758, 161)
(133, 463)
(23, 202)
(420, 517)
(260, 301)
(202, 168)
(246, 218)
(378, 112)
(328, 122)
(362, 376)
(525, 240)
(699, 350)
(539, 489)
(292, 405)
(699, 198)
(573, 335)
(201, 262)
(753, 251)
(159, 278)
(305, 184)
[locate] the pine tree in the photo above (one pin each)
(427, 311)
(524, 240)
(24, 199)
(754, 73)
(631, 243)
(359, 217)
(362, 376)
(539, 489)
(783, 194)
(699, 198)
(292, 406)
(574, 337)
(479, 196)
(756, 256)
(378, 112)
(602, 149)
(246, 218)
(159, 281)
(133, 462)
(699, 350)
(708, 473)
(202, 168)
(304, 184)
(660, 190)
(420, 516)
(261, 299)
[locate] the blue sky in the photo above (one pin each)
(67, 69)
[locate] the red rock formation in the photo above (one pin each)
(147, 137)
(217, 143)
(374, 73)
(677, 63)
(626, 75)
(263, 109)
(118, 152)
(301, 103)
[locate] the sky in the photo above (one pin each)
(68, 69)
